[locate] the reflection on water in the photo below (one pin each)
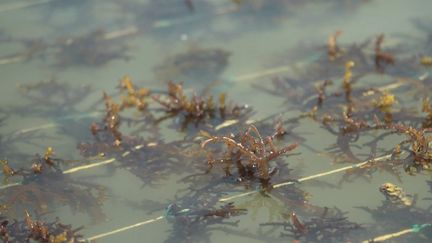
(209, 121)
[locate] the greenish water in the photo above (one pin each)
(265, 39)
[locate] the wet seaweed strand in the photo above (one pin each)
(382, 58)
(333, 50)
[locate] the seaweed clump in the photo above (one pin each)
(250, 154)
(326, 228)
(132, 96)
(419, 147)
(30, 230)
(45, 185)
(196, 109)
(194, 225)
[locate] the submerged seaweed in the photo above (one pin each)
(51, 98)
(44, 186)
(197, 64)
(326, 228)
(331, 93)
(196, 225)
(396, 206)
(92, 49)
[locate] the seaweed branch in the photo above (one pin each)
(251, 154)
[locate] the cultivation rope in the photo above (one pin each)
(416, 228)
(123, 229)
(359, 165)
(183, 211)
(89, 166)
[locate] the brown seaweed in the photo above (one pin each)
(251, 154)
(333, 50)
(152, 160)
(197, 109)
(382, 58)
(44, 186)
(327, 228)
(31, 230)
(131, 97)
(350, 111)
(195, 224)
(419, 146)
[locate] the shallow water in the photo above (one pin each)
(283, 39)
